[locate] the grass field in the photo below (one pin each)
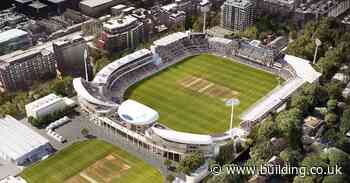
(92, 161)
(190, 95)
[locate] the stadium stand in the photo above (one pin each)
(105, 94)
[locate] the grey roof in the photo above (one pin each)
(11, 34)
(94, 3)
(56, 1)
(17, 140)
(23, 1)
(37, 4)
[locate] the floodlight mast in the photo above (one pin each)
(205, 8)
(232, 102)
(86, 64)
(318, 44)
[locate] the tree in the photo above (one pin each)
(84, 132)
(167, 163)
(345, 121)
(335, 179)
(331, 119)
(332, 105)
(251, 33)
(291, 156)
(268, 129)
(226, 154)
(170, 178)
(190, 163)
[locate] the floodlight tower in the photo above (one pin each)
(318, 44)
(86, 64)
(205, 8)
(233, 102)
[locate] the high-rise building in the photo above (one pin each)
(20, 68)
(238, 15)
(69, 53)
(121, 33)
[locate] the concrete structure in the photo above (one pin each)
(238, 15)
(177, 19)
(118, 9)
(14, 39)
(121, 33)
(11, 179)
(312, 125)
(19, 144)
(47, 105)
(69, 54)
(96, 8)
(20, 69)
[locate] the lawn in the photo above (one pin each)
(190, 95)
(95, 159)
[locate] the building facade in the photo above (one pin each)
(238, 15)
(121, 33)
(20, 69)
(70, 56)
(47, 105)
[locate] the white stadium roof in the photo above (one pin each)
(170, 39)
(302, 68)
(305, 73)
(272, 100)
(103, 75)
(17, 140)
(220, 40)
(137, 113)
(82, 91)
(181, 137)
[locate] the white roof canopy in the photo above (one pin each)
(103, 75)
(181, 137)
(302, 68)
(137, 113)
(83, 92)
(170, 39)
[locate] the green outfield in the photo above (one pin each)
(92, 161)
(190, 95)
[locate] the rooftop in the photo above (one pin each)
(119, 7)
(239, 3)
(312, 121)
(103, 75)
(181, 137)
(16, 139)
(11, 34)
(94, 3)
(119, 22)
(37, 5)
(137, 113)
(20, 54)
(302, 68)
(169, 7)
(170, 39)
(56, 1)
(44, 101)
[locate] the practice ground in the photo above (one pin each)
(92, 161)
(190, 95)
